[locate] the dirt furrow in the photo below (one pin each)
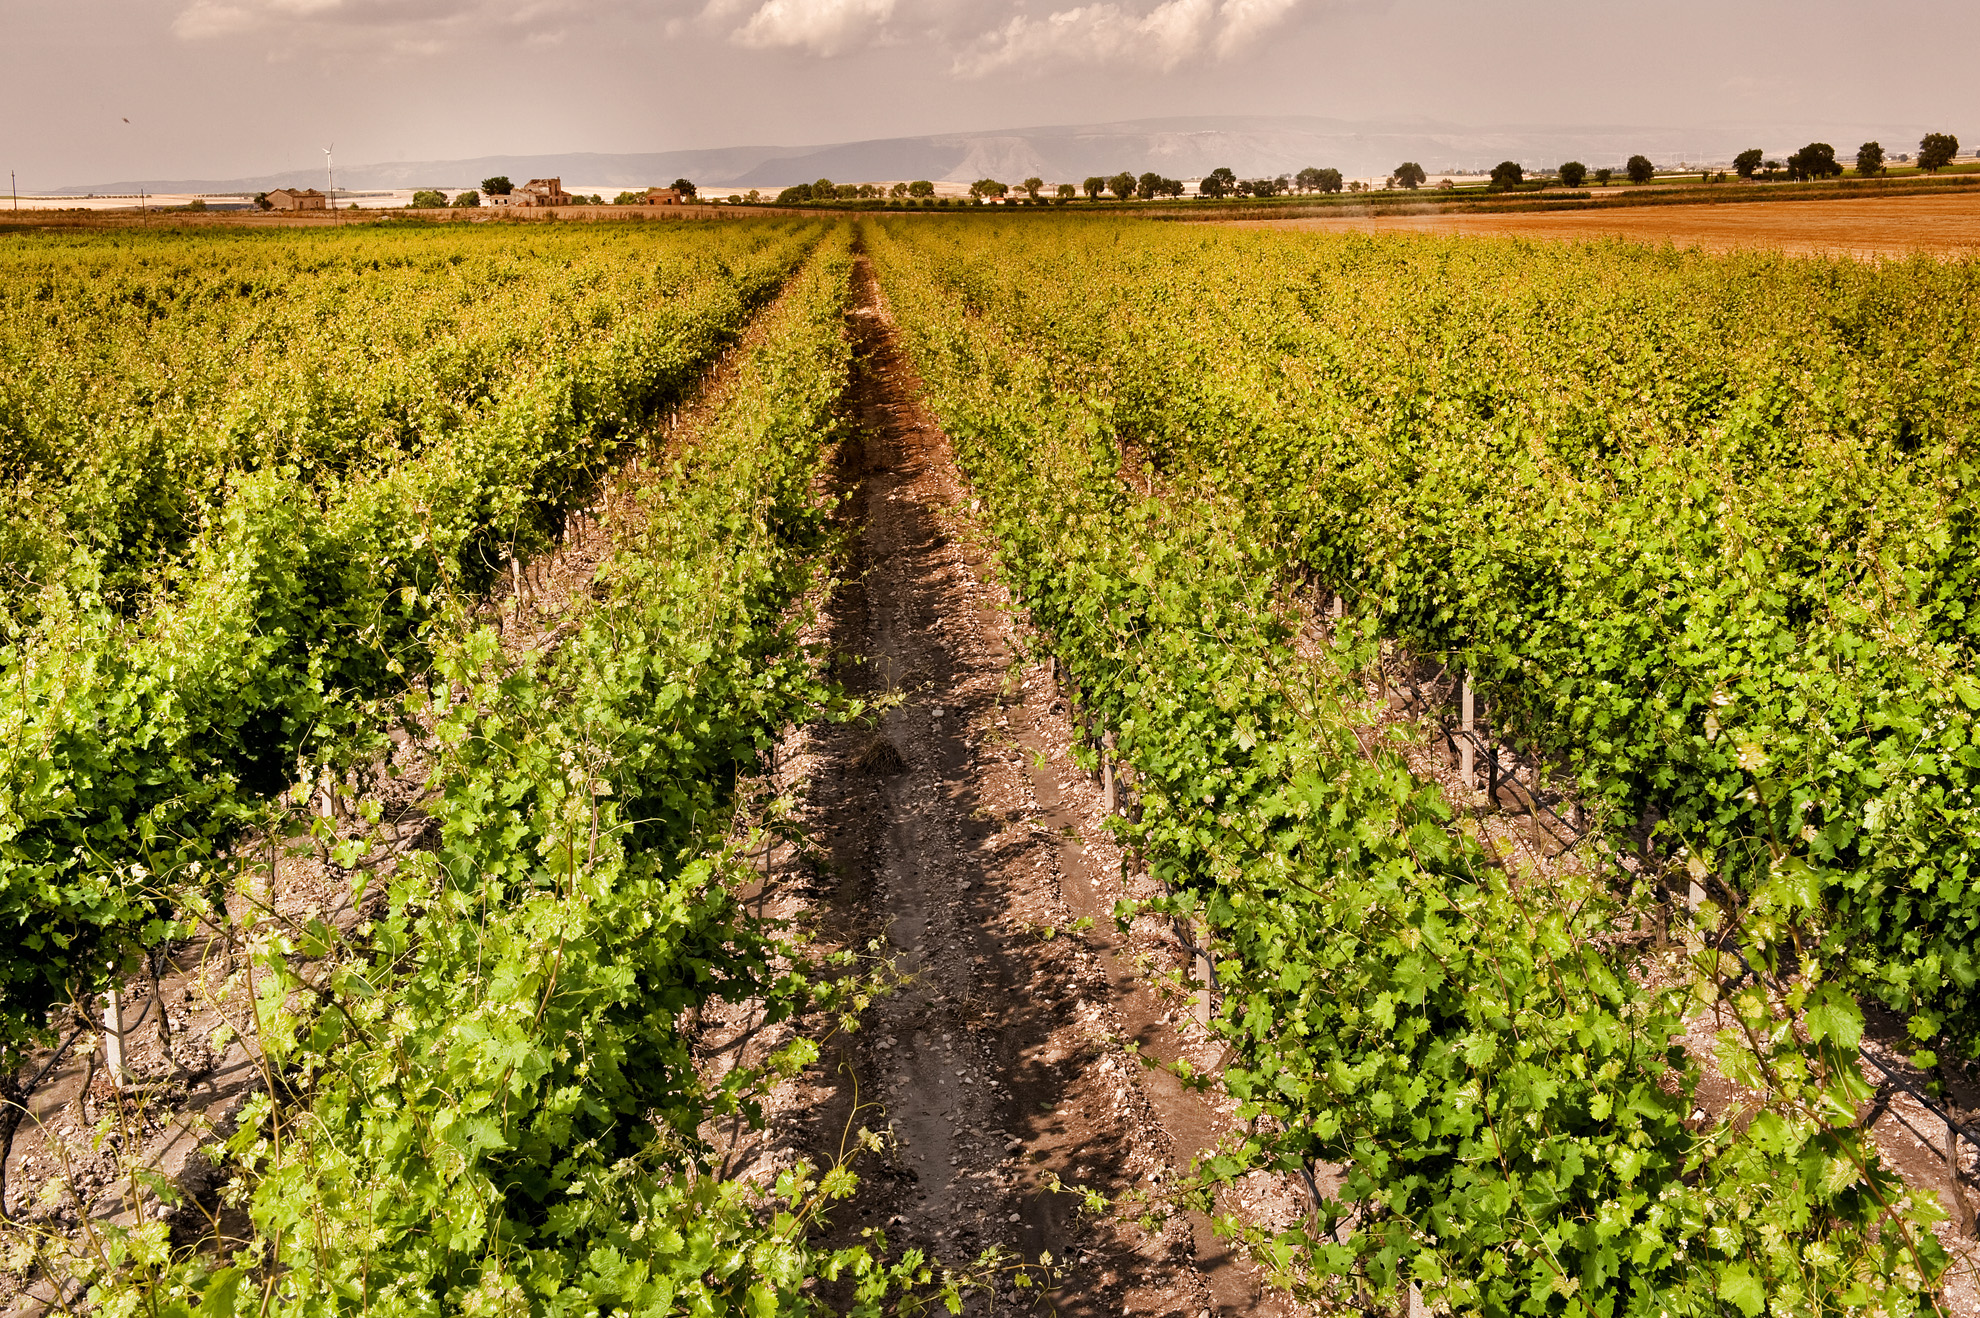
(954, 833)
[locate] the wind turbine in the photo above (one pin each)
(330, 176)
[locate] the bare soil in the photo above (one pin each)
(1870, 227)
(954, 833)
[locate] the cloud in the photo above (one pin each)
(818, 27)
(403, 26)
(1246, 20)
(979, 36)
(1108, 33)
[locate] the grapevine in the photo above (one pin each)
(1504, 1089)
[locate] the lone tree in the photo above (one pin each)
(1121, 185)
(1093, 187)
(1148, 186)
(1507, 174)
(1936, 151)
(1330, 180)
(499, 186)
(1067, 192)
(684, 187)
(427, 199)
(1033, 186)
(1816, 160)
(1574, 173)
(921, 187)
(1870, 159)
(468, 198)
(1603, 176)
(987, 187)
(1308, 179)
(1746, 162)
(1640, 170)
(1219, 182)
(1410, 175)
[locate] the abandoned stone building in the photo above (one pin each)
(297, 199)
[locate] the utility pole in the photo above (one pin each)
(15, 184)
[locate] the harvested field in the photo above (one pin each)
(1878, 227)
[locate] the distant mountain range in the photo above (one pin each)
(1184, 147)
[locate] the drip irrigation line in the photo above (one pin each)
(1567, 835)
(1898, 1082)
(1892, 1079)
(1509, 774)
(60, 1052)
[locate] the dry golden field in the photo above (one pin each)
(1872, 227)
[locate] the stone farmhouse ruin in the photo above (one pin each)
(536, 192)
(297, 199)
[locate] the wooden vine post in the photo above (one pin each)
(113, 1037)
(1109, 796)
(1205, 973)
(1467, 713)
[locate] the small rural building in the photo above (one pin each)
(664, 197)
(541, 192)
(297, 199)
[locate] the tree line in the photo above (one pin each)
(1814, 161)
(500, 185)
(1818, 160)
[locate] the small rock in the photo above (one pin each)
(1017, 1217)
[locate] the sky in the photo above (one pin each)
(115, 89)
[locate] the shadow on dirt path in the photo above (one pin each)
(947, 835)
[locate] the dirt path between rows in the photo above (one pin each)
(956, 835)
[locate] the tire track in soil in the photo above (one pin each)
(948, 833)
